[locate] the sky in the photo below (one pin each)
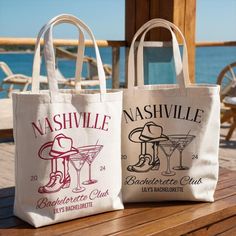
(23, 18)
(216, 20)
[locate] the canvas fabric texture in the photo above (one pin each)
(68, 143)
(170, 133)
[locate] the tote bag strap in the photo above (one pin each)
(37, 59)
(131, 65)
(36, 64)
(50, 62)
(50, 55)
(176, 56)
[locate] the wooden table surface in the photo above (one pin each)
(6, 113)
(6, 119)
(170, 218)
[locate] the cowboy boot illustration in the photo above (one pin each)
(59, 148)
(66, 181)
(145, 162)
(156, 160)
(149, 133)
(141, 157)
(54, 184)
(145, 165)
(55, 177)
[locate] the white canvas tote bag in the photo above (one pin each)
(68, 144)
(170, 133)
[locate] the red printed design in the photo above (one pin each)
(62, 147)
(88, 154)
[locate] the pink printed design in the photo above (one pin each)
(62, 147)
(85, 154)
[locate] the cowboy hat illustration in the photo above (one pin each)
(149, 133)
(60, 147)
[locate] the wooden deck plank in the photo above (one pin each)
(227, 192)
(122, 221)
(6, 114)
(188, 220)
(230, 232)
(6, 192)
(219, 227)
(149, 217)
(75, 227)
(86, 221)
(5, 212)
(7, 177)
(224, 175)
(122, 224)
(229, 183)
(7, 202)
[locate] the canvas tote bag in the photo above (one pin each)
(68, 142)
(170, 133)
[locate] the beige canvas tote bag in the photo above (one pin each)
(68, 143)
(170, 133)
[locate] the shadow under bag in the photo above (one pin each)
(170, 133)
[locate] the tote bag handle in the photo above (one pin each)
(48, 49)
(176, 56)
(181, 68)
(51, 60)
(50, 55)
(36, 64)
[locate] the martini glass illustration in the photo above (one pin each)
(168, 148)
(91, 153)
(78, 161)
(182, 141)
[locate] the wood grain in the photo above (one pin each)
(115, 67)
(219, 227)
(189, 33)
(142, 14)
(166, 218)
(155, 34)
(166, 11)
(178, 16)
(130, 18)
(61, 42)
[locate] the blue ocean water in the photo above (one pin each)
(209, 62)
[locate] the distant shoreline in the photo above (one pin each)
(16, 52)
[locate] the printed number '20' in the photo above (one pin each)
(33, 178)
